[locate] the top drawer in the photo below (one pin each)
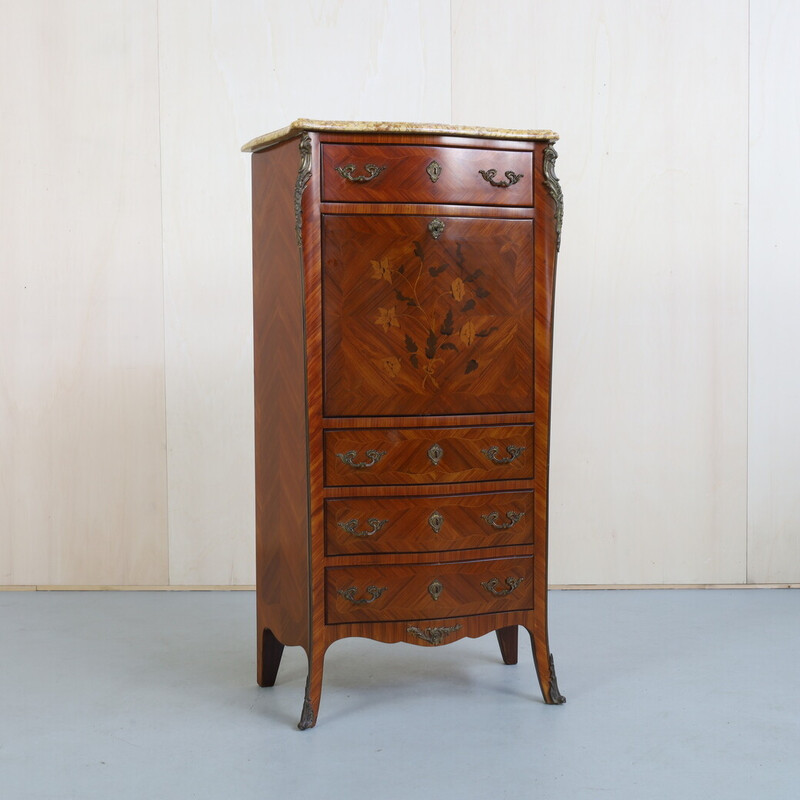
(387, 173)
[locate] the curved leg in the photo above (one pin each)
(270, 651)
(308, 717)
(508, 639)
(546, 671)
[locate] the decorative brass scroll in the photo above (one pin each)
(491, 586)
(433, 635)
(374, 593)
(554, 188)
(372, 169)
(488, 175)
(303, 177)
(435, 589)
(351, 525)
(513, 518)
(436, 226)
(434, 170)
(436, 520)
(349, 458)
(435, 454)
(513, 450)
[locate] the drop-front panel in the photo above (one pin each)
(403, 299)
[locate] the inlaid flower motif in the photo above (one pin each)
(381, 270)
(434, 329)
(391, 366)
(387, 318)
(467, 333)
(457, 289)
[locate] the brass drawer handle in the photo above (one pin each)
(372, 169)
(374, 593)
(491, 586)
(514, 451)
(488, 175)
(349, 457)
(351, 525)
(436, 227)
(513, 518)
(432, 635)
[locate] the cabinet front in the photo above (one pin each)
(427, 315)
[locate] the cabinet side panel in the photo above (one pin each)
(281, 448)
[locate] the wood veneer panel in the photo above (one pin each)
(281, 449)
(415, 324)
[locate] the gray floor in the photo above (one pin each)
(671, 694)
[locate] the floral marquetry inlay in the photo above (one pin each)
(420, 324)
(445, 316)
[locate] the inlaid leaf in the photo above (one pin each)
(468, 306)
(411, 345)
(481, 292)
(414, 361)
(418, 251)
(436, 271)
(473, 276)
(431, 344)
(403, 299)
(457, 289)
(459, 256)
(467, 333)
(471, 366)
(487, 331)
(447, 325)
(448, 346)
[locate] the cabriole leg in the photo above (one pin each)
(546, 671)
(308, 717)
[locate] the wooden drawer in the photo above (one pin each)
(428, 591)
(385, 456)
(359, 173)
(426, 524)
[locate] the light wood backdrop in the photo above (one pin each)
(125, 300)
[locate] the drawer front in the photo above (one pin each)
(357, 173)
(417, 324)
(385, 456)
(428, 591)
(427, 524)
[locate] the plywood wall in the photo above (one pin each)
(125, 307)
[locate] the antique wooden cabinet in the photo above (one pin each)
(403, 307)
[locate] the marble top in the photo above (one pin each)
(436, 129)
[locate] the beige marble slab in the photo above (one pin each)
(408, 128)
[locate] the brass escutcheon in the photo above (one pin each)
(435, 454)
(436, 226)
(435, 589)
(436, 520)
(434, 170)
